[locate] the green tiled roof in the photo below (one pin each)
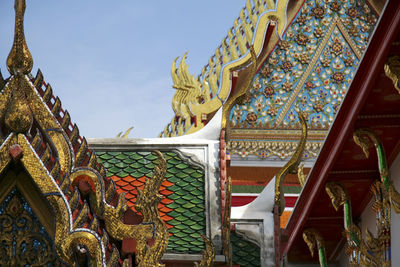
(184, 190)
(245, 253)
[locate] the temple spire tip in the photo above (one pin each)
(19, 60)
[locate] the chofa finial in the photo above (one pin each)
(19, 60)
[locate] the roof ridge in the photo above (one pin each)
(211, 88)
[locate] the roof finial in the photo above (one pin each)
(19, 60)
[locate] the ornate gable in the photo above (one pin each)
(309, 70)
(51, 178)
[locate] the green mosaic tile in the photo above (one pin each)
(196, 227)
(197, 210)
(105, 156)
(197, 201)
(113, 170)
(182, 166)
(180, 201)
(113, 153)
(188, 206)
(189, 171)
(197, 175)
(244, 252)
(121, 156)
(113, 161)
(180, 226)
(122, 174)
(135, 156)
(150, 166)
(181, 175)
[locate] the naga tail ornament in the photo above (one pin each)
(339, 197)
(208, 254)
(312, 237)
(147, 203)
(361, 138)
(291, 166)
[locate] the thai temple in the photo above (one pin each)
(283, 151)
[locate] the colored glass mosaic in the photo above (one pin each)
(245, 253)
(183, 206)
(24, 240)
(310, 69)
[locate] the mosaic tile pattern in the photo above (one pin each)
(244, 252)
(183, 206)
(310, 69)
(25, 241)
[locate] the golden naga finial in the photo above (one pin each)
(208, 254)
(19, 60)
(392, 70)
(291, 166)
(337, 193)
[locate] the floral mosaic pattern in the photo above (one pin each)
(310, 69)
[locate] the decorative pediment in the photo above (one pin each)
(309, 71)
(36, 133)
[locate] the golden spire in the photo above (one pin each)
(18, 115)
(19, 60)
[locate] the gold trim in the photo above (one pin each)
(242, 91)
(377, 5)
(392, 70)
(278, 149)
(272, 134)
(65, 240)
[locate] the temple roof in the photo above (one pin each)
(304, 58)
(309, 71)
(372, 103)
(36, 133)
(197, 99)
(183, 206)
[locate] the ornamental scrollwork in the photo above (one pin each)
(24, 240)
(392, 70)
(38, 134)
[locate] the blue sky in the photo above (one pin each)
(109, 61)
